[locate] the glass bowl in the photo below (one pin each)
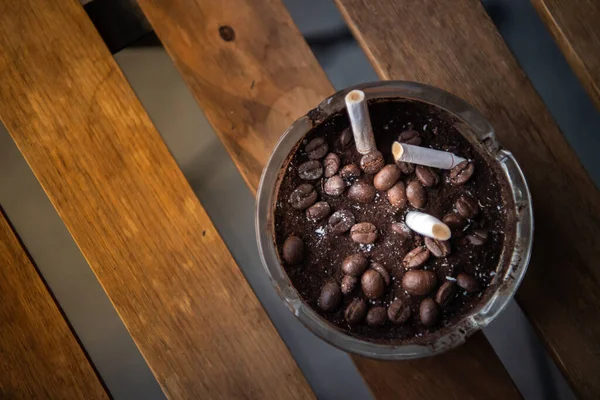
(481, 134)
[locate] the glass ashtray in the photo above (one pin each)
(480, 133)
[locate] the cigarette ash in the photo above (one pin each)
(366, 247)
(320, 231)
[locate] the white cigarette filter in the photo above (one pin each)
(360, 121)
(424, 156)
(427, 225)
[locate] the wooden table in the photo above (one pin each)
(160, 260)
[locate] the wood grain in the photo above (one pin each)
(575, 26)
(455, 46)
(40, 357)
(132, 213)
(251, 89)
(456, 374)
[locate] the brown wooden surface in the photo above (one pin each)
(40, 357)
(455, 46)
(251, 89)
(441, 377)
(132, 213)
(576, 28)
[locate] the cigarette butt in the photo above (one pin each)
(358, 113)
(427, 225)
(424, 156)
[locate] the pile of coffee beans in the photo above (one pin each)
(345, 213)
(371, 277)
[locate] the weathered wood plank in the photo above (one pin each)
(251, 88)
(575, 26)
(40, 357)
(455, 46)
(130, 210)
(462, 373)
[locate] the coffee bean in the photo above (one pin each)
(356, 311)
(399, 311)
(387, 177)
(377, 316)
(410, 137)
(372, 284)
(382, 271)
(461, 173)
(303, 197)
(419, 282)
(318, 211)
(446, 293)
(316, 148)
(429, 312)
(340, 221)
(467, 206)
(332, 164)
(438, 248)
(348, 284)
(310, 170)
(354, 264)
(467, 282)
(402, 230)
(346, 138)
(455, 221)
(416, 195)
(350, 172)
(372, 162)
(362, 192)
(478, 237)
(334, 186)
(416, 257)
(331, 297)
(406, 168)
(397, 195)
(364, 233)
(293, 250)
(427, 176)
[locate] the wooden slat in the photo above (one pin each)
(132, 213)
(442, 377)
(39, 356)
(455, 46)
(251, 88)
(575, 26)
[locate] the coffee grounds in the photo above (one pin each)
(325, 251)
